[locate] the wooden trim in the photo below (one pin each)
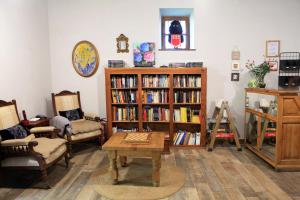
(273, 92)
(260, 114)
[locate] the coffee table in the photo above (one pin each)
(117, 147)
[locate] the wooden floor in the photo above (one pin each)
(221, 174)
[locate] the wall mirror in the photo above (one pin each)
(122, 44)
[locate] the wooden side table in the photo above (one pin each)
(31, 124)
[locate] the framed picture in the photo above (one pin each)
(235, 76)
(85, 58)
(273, 65)
(235, 55)
(122, 44)
(144, 54)
(235, 65)
(272, 48)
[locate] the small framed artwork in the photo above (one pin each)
(272, 48)
(235, 55)
(235, 65)
(235, 76)
(273, 65)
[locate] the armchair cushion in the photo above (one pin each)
(42, 129)
(47, 146)
(15, 132)
(17, 142)
(71, 115)
(83, 126)
(82, 136)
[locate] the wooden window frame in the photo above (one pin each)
(163, 35)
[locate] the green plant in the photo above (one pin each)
(258, 71)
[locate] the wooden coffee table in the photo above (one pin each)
(117, 147)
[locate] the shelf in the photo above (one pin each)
(195, 123)
(155, 88)
(124, 104)
(188, 104)
(187, 88)
(161, 122)
(185, 145)
(124, 88)
(125, 121)
(156, 104)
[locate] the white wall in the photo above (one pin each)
(219, 26)
(24, 54)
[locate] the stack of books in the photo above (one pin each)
(175, 65)
(125, 114)
(118, 129)
(187, 97)
(124, 81)
(155, 81)
(187, 81)
(123, 96)
(156, 114)
(194, 64)
(187, 138)
(155, 96)
(186, 114)
(116, 63)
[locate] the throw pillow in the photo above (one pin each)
(72, 114)
(15, 132)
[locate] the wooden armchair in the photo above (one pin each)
(38, 151)
(88, 128)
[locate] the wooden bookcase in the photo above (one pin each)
(166, 126)
(279, 146)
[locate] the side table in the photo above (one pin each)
(31, 124)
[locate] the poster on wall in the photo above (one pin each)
(272, 48)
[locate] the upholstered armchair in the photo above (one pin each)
(37, 149)
(89, 127)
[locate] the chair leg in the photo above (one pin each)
(45, 178)
(69, 146)
(101, 139)
(67, 160)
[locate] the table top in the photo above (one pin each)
(116, 142)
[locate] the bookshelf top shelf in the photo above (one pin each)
(124, 88)
(156, 88)
(187, 88)
(192, 123)
(155, 70)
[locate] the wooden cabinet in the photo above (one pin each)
(163, 80)
(272, 126)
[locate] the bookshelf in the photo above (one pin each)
(140, 99)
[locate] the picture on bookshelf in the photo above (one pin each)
(144, 54)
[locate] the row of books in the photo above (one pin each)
(155, 96)
(123, 96)
(124, 81)
(155, 81)
(118, 129)
(125, 114)
(187, 138)
(187, 81)
(156, 114)
(186, 114)
(187, 97)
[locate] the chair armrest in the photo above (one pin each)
(45, 131)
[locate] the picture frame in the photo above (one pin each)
(272, 48)
(235, 77)
(122, 44)
(273, 65)
(235, 65)
(85, 58)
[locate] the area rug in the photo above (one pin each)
(135, 181)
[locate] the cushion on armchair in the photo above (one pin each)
(47, 146)
(15, 132)
(83, 126)
(42, 129)
(72, 114)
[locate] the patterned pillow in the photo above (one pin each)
(15, 132)
(72, 114)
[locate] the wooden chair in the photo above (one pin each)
(38, 151)
(67, 100)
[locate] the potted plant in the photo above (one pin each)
(258, 72)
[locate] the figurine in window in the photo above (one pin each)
(175, 37)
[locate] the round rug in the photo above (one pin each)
(135, 181)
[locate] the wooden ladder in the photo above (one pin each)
(218, 115)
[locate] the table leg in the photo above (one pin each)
(123, 161)
(112, 155)
(156, 164)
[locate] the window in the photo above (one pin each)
(176, 26)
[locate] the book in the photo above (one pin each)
(183, 114)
